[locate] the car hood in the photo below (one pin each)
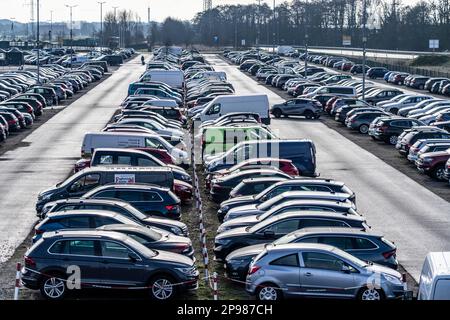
(174, 259)
(249, 209)
(250, 251)
(239, 222)
(437, 154)
(376, 268)
(244, 200)
(232, 233)
(151, 220)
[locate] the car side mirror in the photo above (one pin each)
(133, 257)
(345, 269)
(269, 234)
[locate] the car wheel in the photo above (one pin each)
(393, 140)
(370, 294)
(438, 173)
(53, 287)
(421, 87)
(268, 292)
(364, 128)
(162, 288)
(277, 113)
(309, 114)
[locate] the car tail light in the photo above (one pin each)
(253, 269)
(12, 122)
(29, 262)
(38, 231)
(172, 207)
(389, 254)
(182, 248)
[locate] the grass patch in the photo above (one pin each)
(431, 60)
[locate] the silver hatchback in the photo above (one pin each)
(317, 270)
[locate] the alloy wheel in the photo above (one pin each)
(162, 289)
(370, 294)
(54, 288)
(268, 293)
(393, 140)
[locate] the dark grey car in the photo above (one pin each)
(104, 259)
(309, 108)
(366, 246)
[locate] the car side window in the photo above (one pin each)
(124, 160)
(80, 247)
(283, 227)
(343, 243)
(151, 197)
(107, 194)
(363, 244)
(86, 183)
(286, 261)
(309, 223)
(314, 188)
(145, 162)
(128, 195)
(114, 250)
(58, 247)
(316, 260)
(104, 221)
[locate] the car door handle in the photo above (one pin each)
(308, 274)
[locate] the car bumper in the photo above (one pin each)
(29, 279)
(412, 157)
(220, 253)
(218, 197)
(237, 271)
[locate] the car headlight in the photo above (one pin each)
(222, 242)
(221, 229)
(191, 271)
(225, 209)
(45, 197)
(392, 279)
(427, 159)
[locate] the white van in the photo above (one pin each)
(223, 105)
(434, 281)
(173, 78)
(95, 140)
(338, 90)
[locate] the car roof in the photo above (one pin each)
(268, 179)
(95, 212)
(140, 186)
(335, 231)
(321, 202)
(300, 246)
(311, 181)
(91, 201)
(89, 233)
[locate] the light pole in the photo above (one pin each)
(306, 40)
(117, 23)
(71, 33)
(364, 40)
(274, 28)
(13, 36)
(259, 29)
(38, 61)
(101, 3)
(51, 26)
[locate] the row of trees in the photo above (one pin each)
(123, 25)
(390, 23)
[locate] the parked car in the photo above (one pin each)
(435, 277)
(309, 108)
(377, 72)
(121, 207)
(361, 121)
(154, 238)
(253, 186)
(433, 163)
(149, 199)
(295, 270)
(301, 184)
(388, 129)
(366, 246)
(47, 262)
(276, 227)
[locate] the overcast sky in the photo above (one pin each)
(89, 10)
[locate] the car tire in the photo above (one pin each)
(370, 294)
(421, 87)
(364, 129)
(309, 114)
(438, 173)
(269, 292)
(53, 287)
(277, 113)
(393, 140)
(161, 288)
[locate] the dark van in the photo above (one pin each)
(302, 153)
(88, 179)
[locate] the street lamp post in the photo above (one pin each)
(259, 30)
(364, 40)
(51, 26)
(306, 42)
(274, 28)
(117, 23)
(101, 3)
(38, 62)
(71, 33)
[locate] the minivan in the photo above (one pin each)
(434, 281)
(302, 153)
(222, 105)
(88, 179)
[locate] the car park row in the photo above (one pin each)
(120, 217)
(416, 124)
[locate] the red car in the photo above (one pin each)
(183, 190)
(434, 164)
(329, 104)
(284, 165)
(346, 66)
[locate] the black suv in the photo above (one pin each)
(104, 259)
(404, 144)
(389, 129)
(151, 200)
(124, 208)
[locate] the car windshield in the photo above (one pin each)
(136, 213)
(140, 248)
(287, 238)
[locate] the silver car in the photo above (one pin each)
(318, 270)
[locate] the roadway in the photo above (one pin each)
(413, 217)
(47, 156)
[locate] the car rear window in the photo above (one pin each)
(286, 261)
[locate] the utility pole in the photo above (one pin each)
(101, 3)
(364, 40)
(274, 27)
(149, 29)
(51, 26)
(117, 22)
(259, 29)
(71, 33)
(38, 62)
(306, 39)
